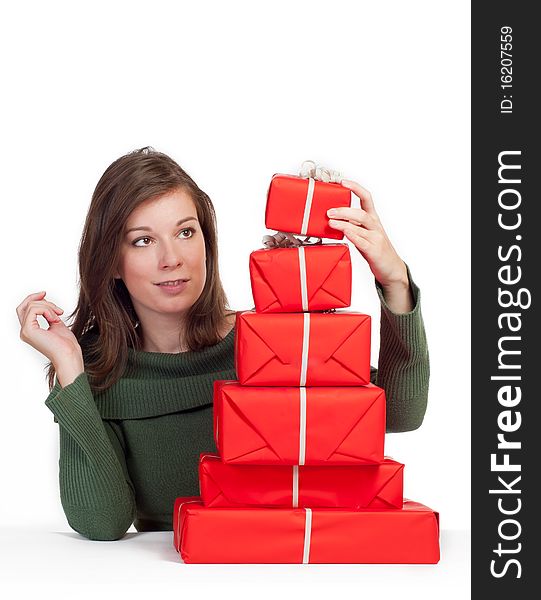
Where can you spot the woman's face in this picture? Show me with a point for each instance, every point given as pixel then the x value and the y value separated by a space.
pixel 163 241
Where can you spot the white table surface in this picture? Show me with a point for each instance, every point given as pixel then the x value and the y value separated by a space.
pixel 63 564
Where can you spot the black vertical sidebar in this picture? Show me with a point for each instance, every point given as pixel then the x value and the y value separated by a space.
pixel 506 266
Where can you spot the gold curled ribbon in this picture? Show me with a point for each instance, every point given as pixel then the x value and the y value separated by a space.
pixel 284 239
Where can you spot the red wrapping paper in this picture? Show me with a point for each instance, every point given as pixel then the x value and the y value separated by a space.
pixel 269 349
pixel 282 277
pixel 363 486
pixel 287 203
pixel 296 426
pixel 176 513
pixel 296 535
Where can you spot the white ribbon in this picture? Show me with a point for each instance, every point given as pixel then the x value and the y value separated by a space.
pixel 295 486
pixel 307 536
pixel 302 426
pixel 305 345
pixel 311 171
pixel 302 389
pixel 308 205
pixel 304 284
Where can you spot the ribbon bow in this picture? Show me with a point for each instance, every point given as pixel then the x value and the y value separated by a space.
pixel 310 169
pixel 282 239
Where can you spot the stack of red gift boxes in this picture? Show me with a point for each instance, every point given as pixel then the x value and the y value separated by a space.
pixel 300 475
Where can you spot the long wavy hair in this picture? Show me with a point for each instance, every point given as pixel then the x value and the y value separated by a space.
pixel 104 305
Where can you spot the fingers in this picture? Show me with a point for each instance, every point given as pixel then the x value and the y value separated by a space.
pixel 23 305
pixel 39 308
pixel 30 319
pixel 368 233
pixel 363 194
pixel 350 229
pixel 36 299
pixel 357 216
pixel 364 239
pixel 359 238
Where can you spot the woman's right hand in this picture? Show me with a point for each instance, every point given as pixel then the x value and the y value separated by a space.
pixel 57 342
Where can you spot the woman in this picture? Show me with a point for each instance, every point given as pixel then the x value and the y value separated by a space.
pixel 151 333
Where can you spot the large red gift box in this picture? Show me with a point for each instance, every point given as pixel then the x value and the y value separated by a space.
pixel 362 486
pixel 298 349
pixel 299 425
pixel 299 205
pixel 305 278
pixel 179 502
pixel 304 535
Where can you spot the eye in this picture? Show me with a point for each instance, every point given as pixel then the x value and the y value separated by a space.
pixel 191 230
pixel 135 242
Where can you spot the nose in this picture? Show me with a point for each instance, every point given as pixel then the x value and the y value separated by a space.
pixel 170 257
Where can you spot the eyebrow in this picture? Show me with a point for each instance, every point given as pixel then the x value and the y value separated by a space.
pixel 143 228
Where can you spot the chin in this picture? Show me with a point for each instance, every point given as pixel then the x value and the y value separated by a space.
pixel 175 307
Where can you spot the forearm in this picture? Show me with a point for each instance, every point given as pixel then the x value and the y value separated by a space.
pixel 398 293
pixel 97 501
pixel 97 498
pixel 403 367
pixel 69 368
pixel 399 297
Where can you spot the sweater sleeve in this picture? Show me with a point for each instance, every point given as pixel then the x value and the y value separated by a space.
pixel 96 492
pixel 403 366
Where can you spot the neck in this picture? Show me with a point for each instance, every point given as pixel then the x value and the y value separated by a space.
pixel 163 334
pixel 155 346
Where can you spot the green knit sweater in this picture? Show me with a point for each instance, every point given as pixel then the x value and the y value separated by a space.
pixel 127 453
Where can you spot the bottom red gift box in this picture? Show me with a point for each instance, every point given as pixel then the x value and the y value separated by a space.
pixel 303 535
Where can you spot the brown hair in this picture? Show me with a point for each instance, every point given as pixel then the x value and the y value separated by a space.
pixel 104 304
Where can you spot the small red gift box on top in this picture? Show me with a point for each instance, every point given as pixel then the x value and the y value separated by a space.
pixel 305 278
pixel 312 349
pixel 303 535
pixel 362 486
pixel 299 205
pixel 299 425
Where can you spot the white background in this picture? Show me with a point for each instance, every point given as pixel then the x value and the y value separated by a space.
pixel 234 92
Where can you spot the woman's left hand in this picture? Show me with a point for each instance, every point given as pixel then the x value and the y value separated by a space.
pixel 363 229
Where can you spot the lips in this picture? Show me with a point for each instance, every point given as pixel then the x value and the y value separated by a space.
pixel 172 282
